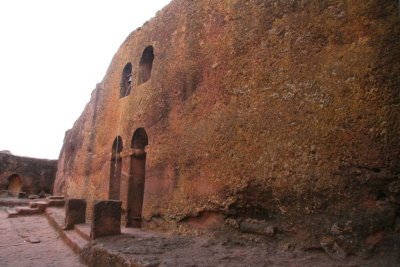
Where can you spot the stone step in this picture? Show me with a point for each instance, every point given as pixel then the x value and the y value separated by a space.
pixel 74 240
pixel 12 213
pixel 27 211
pixel 55 202
pixel 55 197
pixel 83 229
pixel 56 217
pixel 42 205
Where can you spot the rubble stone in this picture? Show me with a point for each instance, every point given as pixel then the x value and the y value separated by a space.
pixel 256 228
pixel 332 248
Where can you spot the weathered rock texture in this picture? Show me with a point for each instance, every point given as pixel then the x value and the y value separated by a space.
pixel 106 219
pixel 75 212
pixel 279 113
pixel 29 175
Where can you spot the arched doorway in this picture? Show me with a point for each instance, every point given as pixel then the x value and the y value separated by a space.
pixel 115 169
pixel 14 185
pixel 145 65
pixel 137 178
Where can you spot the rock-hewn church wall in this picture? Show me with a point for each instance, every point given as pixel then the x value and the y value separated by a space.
pixel 29 175
pixel 279 112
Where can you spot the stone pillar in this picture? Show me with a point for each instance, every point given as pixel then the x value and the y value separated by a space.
pixel 75 212
pixel 124 186
pixel 106 218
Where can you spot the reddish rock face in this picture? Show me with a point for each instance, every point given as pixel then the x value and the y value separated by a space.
pixel 283 112
pixel 29 175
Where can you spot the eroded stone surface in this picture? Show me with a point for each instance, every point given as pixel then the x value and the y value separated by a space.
pixel 75 212
pixel 280 111
pixel 106 219
pixel 146 248
pixel 29 175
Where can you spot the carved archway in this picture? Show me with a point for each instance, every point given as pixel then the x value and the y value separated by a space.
pixel 146 65
pixel 126 81
pixel 137 178
pixel 14 185
pixel 115 169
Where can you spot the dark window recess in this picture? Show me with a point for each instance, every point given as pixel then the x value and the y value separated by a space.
pixel 14 185
pixel 126 81
pixel 145 65
pixel 137 178
pixel 115 169
pixel 139 139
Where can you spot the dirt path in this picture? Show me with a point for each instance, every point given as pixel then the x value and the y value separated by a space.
pixel 31 241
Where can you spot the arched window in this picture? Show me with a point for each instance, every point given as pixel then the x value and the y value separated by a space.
pixel 139 139
pixel 115 169
pixel 14 185
pixel 126 81
pixel 137 178
pixel 145 65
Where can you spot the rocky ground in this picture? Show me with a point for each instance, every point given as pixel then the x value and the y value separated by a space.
pixel 181 251
pixel 146 248
pixel 31 241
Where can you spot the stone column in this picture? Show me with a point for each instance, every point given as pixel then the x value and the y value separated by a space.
pixel 106 218
pixel 75 212
pixel 124 185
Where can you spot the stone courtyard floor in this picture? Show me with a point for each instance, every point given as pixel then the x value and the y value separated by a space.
pixel 31 241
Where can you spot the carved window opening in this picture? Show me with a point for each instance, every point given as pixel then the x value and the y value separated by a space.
pixel 115 169
pixel 145 65
pixel 137 178
pixel 126 81
pixel 14 185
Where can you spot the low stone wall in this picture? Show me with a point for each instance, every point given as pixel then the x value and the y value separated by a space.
pixel 106 219
pixel 29 175
pixel 75 212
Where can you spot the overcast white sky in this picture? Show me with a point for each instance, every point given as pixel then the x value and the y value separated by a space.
pixel 52 54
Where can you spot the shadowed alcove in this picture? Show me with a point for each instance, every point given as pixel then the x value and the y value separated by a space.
pixel 14 185
pixel 126 81
pixel 137 178
pixel 115 169
pixel 145 65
